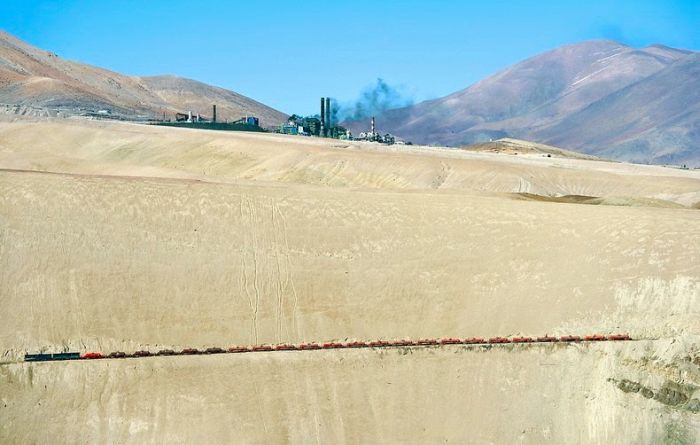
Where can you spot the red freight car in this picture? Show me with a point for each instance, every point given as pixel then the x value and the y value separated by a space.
pixel 595 337
pixel 619 337
pixel 474 341
pixel 450 341
pixel 494 340
pixel 547 339
pixel 523 339
pixel 92 355
pixel 569 338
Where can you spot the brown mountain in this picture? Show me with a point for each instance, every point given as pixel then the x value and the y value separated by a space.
pixel 598 97
pixel 37 81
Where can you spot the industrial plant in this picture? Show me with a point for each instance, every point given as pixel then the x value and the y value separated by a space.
pixel 196 120
pixel 321 125
pixel 324 125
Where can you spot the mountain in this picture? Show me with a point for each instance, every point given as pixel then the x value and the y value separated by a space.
pixel 657 119
pixel 37 81
pixel 598 97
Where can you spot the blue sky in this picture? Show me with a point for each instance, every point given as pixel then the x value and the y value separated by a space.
pixel 287 54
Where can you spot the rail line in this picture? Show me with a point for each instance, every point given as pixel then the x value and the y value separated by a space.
pixel 475 341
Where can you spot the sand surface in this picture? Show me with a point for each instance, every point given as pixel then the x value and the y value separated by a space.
pixel 120 237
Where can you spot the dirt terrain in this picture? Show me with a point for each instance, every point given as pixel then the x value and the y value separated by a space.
pixel 123 237
pixel 518 147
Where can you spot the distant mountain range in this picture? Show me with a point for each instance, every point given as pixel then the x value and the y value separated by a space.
pixel 34 81
pixel 596 97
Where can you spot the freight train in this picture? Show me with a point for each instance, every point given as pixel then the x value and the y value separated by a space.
pixel 329 345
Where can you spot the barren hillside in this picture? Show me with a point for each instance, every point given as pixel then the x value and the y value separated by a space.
pixel 597 97
pixel 121 237
pixel 34 81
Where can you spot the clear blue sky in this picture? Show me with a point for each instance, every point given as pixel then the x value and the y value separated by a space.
pixel 287 54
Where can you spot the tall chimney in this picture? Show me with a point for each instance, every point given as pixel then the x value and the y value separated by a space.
pixel 328 115
pixel 213 112
pixel 323 117
pixel 372 125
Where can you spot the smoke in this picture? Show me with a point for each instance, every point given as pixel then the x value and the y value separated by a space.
pixel 373 101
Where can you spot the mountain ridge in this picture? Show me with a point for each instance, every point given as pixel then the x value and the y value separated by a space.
pixel 530 100
pixel 32 78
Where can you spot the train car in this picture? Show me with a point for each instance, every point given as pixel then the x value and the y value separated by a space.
pixel 214 351
pixel 595 337
pixel 474 341
pixel 450 341
pixel 617 337
pixel 569 338
pixel 523 339
pixel 190 351
pixel 495 340
pixel 547 339
pixel 51 357
pixel 307 346
pixel 92 356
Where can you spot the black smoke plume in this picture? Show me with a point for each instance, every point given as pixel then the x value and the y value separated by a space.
pixel 373 101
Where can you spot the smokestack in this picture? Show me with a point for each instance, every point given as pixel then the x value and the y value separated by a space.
pixel 323 117
pixel 213 112
pixel 328 115
pixel 373 125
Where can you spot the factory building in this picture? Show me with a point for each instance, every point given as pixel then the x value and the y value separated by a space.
pixel 373 136
pixel 191 117
pixel 321 126
pixel 325 126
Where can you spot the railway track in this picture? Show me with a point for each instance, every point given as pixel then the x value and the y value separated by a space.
pixel 475 341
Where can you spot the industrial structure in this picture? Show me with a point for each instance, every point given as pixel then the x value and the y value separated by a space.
pixel 190 120
pixel 373 136
pixel 321 126
pixel 325 126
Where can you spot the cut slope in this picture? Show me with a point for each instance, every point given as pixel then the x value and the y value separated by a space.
pixel 116 263
pixel 448 395
pixel 149 237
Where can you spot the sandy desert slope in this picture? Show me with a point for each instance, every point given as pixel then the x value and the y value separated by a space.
pixel 111 263
pixel 513 395
pixel 107 148
pixel 121 237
